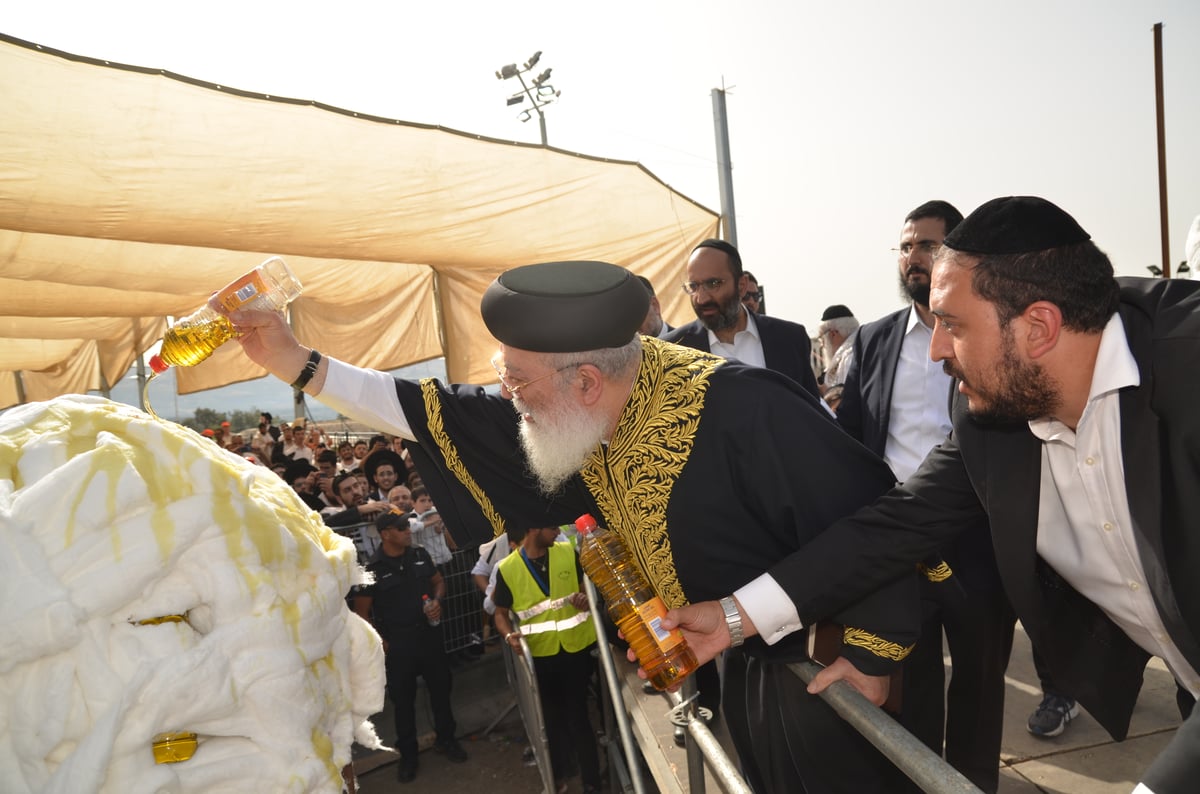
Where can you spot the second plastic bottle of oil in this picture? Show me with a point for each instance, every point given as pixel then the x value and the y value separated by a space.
pixel 632 605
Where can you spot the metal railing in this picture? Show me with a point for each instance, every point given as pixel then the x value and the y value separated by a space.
pixel 924 767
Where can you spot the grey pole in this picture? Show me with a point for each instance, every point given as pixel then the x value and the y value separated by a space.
pixel 140 363
pixel 298 405
pixel 724 167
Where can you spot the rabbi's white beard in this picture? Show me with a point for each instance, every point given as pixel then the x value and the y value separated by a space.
pixel 558 441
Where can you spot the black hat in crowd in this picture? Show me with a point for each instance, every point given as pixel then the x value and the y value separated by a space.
pixel 835 312
pixel 565 307
pixel 1015 225
pixel 646 283
pixel 392 518
pixel 298 468
pixel 379 457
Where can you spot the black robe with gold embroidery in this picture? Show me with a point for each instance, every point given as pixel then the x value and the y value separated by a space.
pixel 716 471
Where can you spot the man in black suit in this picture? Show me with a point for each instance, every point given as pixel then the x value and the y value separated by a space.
pixel 896 401
pixel 654 324
pixel 1076 437
pixel 716 282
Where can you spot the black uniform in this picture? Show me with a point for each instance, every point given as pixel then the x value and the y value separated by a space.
pixel 413 646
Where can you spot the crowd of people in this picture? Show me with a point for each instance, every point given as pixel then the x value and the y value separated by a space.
pixel 942 472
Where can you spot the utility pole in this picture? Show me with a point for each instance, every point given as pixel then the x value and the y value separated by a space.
pixel 724 167
pixel 1162 152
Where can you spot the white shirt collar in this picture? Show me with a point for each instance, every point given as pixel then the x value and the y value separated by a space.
pixel 1115 368
pixel 751 328
pixel 914 319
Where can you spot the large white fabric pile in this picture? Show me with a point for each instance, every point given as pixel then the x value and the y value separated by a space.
pixel 109 518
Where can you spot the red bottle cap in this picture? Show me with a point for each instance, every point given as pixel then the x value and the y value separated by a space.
pixel 158 365
pixel 585 523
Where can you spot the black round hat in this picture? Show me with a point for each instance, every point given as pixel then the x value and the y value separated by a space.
pixel 381 456
pixel 565 307
pixel 1015 225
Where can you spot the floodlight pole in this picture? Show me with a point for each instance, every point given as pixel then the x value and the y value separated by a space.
pixel 536 106
pixel 545 92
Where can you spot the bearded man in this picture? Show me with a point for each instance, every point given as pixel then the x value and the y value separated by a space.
pixel 710 470
pixel 716 283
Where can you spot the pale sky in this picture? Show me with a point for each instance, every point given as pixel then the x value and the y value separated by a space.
pixel 842 117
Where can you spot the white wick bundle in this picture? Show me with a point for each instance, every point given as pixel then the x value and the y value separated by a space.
pixel 110 519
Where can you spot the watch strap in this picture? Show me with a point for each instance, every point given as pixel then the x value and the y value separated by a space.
pixel 306 374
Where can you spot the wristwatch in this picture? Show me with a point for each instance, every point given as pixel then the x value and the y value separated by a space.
pixel 733 620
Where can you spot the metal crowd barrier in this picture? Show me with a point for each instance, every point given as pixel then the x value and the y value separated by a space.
pixel 462 610
pixel 924 767
pixel 521 677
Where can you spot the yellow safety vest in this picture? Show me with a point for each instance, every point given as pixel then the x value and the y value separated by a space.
pixel 549 623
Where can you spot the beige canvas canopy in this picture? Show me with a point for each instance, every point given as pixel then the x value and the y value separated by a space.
pixel 128 195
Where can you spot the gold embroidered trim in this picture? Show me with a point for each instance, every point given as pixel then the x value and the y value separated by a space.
pixel 632 478
pixel 876 645
pixel 454 464
pixel 940 573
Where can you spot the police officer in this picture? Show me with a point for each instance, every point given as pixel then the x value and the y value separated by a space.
pixel 395 605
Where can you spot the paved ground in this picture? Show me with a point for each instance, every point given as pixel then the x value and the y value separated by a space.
pixel 1084 760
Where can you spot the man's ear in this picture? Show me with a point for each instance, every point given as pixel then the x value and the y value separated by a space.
pixel 591 384
pixel 1043 324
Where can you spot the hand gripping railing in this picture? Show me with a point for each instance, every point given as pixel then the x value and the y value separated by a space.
pixel 924 767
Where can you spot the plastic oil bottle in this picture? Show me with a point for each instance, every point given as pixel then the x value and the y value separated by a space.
pixel 632 605
pixel 269 287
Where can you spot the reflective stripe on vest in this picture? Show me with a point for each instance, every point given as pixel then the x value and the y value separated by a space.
pixel 549 623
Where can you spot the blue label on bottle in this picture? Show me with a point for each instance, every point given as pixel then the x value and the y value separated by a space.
pixel 247 293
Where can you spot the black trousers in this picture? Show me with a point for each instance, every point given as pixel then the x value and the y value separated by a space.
pixel 969 715
pixel 412 652
pixel 791 742
pixel 563 689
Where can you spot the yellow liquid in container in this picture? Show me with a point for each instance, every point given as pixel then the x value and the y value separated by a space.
pixel 633 606
pixel 171 748
pixel 193 339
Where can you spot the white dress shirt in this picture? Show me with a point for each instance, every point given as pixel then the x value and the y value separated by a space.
pixel 746 346
pixel 919 416
pixel 1084 527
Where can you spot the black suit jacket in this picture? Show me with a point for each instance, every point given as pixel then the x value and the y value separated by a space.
pixel 786 347
pixel 995 471
pixel 866 407
pixel 866 413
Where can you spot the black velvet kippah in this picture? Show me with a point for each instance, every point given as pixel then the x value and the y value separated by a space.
pixel 565 307
pixel 1015 225
pixel 835 312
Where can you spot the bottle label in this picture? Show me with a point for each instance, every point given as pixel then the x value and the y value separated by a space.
pixel 652 612
pixel 241 292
